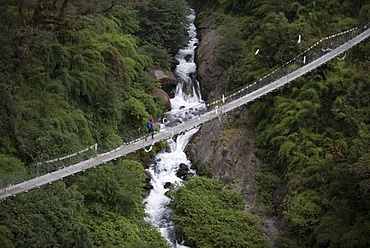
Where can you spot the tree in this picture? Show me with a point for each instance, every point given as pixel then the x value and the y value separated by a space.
pixel 65 13
pixel 65 87
pixel 314 141
pixel 46 217
pixel 164 23
pixel 211 217
pixel 114 188
pixel 113 196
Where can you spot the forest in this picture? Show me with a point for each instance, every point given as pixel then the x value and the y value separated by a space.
pixel 74 73
pixel 313 134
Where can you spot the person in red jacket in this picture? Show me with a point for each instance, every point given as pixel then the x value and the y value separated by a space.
pixel 150 126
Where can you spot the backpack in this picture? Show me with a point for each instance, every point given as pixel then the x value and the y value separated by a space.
pixel 149 125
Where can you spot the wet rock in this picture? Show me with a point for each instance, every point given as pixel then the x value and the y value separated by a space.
pixel 147 181
pixel 146 161
pixel 187 87
pixel 174 63
pixel 173 122
pixel 193 77
pixel 183 171
pixel 188 57
pixel 168 185
pixel 168 149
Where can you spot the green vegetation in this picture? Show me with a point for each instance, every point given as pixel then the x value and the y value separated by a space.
pixel 273 27
pixel 209 216
pixel 314 139
pixel 312 135
pixel 74 73
pixel 164 24
pixel 100 208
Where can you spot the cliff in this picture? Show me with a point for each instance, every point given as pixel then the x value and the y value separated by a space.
pixel 218 149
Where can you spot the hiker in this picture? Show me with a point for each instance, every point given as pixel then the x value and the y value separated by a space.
pixel 150 126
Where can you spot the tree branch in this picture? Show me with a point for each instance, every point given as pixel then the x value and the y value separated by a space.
pixel 22 12
pixel 63 8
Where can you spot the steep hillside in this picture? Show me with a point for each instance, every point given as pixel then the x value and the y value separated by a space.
pixel 311 136
pixel 75 73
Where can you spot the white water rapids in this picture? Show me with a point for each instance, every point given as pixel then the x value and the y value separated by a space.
pixel 167 163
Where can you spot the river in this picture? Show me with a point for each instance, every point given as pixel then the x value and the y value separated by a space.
pixel 163 171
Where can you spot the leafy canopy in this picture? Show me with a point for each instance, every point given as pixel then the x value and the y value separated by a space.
pixel 164 23
pixel 209 216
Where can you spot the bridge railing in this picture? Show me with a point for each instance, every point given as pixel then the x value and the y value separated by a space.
pixel 312 53
pixel 48 166
pixel 308 56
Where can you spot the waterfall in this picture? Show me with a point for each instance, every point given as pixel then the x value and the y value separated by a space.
pixel 163 172
pixel 187 92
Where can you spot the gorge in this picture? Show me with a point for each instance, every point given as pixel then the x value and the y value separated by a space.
pixel 290 170
pixel 228 153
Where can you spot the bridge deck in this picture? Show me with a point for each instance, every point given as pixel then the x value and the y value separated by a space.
pixel 127 149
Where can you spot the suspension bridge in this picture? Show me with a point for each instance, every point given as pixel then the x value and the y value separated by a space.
pixel 315 56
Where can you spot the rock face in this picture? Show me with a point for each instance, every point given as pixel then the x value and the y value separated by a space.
pixel 229 153
pixel 209 73
pixel 211 76
pixel 230 156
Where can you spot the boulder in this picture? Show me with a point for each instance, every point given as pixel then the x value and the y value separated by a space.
pixel 168 185
pixel 188 57
pixel 159 93
pixel 183 171
pixel 165 77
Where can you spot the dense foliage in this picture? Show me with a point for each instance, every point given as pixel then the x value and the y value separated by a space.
pixel 100 208
pixel 273 28
pixel 66 82
pixel 314 140
pixel 313 135
pixel 164 23
pixel 74 73
pixel 209 216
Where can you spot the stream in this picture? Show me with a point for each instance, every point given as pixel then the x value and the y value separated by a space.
pixel 163 171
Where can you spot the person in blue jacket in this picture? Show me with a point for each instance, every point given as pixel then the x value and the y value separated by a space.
pixel 150 126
